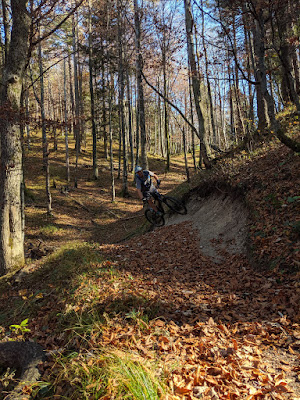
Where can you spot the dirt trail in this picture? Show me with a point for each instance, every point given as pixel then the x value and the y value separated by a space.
pixel 219 317
pixel 221 222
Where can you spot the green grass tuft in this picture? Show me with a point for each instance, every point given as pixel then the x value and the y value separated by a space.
pixel 117 374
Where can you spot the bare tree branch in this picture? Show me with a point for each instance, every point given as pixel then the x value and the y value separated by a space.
pixel 58 25
pixel 230 40
pixel 171 104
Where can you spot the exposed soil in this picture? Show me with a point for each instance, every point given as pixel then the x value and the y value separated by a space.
pixel 221 222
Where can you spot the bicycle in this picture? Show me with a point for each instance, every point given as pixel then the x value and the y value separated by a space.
pixel 157 218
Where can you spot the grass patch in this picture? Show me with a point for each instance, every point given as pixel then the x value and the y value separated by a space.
pixel 69 261
pixel 117 374
pixel 54 282
pixel 50 230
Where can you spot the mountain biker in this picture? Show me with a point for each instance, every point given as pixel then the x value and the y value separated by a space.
pixel 145 187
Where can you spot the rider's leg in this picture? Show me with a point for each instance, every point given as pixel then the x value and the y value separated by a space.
pixel 148 196
pixel 153 195
pixel 152 205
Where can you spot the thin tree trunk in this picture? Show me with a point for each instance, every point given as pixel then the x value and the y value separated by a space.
pixel 6 29
pixel 260 103
pixel 46 166
pixel 211 108
pixel 52 110
pixel 240 120
pixel 166 114
pixel 77 104
pixel 192 121
pixel 137 129
pixel 91 71
pixel 121 98
pixel 104 106
pixel 195 81
pixel 111 158
pixel 184 144
pixel 66 126
pixel 129 120
pixel 71 80
pixel 161 140
pixel 139 69
pixel 27 115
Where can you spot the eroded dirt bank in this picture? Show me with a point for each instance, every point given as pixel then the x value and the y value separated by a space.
pixel 221 222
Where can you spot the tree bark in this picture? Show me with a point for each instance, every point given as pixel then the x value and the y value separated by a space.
pixel 260 102
pixel 211 107
pixel 77 104
pixel 275 124
pixel 66 125
pixel 11 174
pixel 6 29
pixel 129 119
pixel 44 134
pixel 139 69
pixel 111 155
pixel 121 98
pixel 195 81
pixel 91 69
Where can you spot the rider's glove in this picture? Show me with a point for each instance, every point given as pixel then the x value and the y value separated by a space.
pixel 158 182
pixel 144 200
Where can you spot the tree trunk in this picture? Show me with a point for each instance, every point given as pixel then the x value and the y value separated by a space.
pixel 161 139
pixel 46 167
pixel 260 102
pixel 11 175
pixel 285 55
pixel 104 106
pixel 195 81
pixel 139 69
pixel 129 120
pixel 66 125
pixel 166 113
pixel 187 171
pixel 211 108
pixel 6 29
pixel 241 131
pixel 137 128
pixel 72 98
pixel 121 98
pixel 77 104
pixel 192 121
pixel 260 48
pixel 94 133
pixel 111 155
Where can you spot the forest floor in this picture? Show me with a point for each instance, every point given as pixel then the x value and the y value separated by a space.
pixel 208 304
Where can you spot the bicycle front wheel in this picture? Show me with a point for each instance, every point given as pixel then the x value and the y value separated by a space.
pixel 175 205
pixel 153 218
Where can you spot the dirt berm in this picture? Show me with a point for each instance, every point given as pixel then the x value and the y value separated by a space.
pixel 221 221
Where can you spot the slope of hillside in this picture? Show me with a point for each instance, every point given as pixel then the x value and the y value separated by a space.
pixel 191 323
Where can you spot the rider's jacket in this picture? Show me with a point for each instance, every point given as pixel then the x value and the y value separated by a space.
pixel 144 183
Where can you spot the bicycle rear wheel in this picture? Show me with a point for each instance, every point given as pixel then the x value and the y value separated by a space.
pixel 175 205
pixel 153 218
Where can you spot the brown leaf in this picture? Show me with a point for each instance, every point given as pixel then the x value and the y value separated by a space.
pixel 214 371
pixel 211 380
